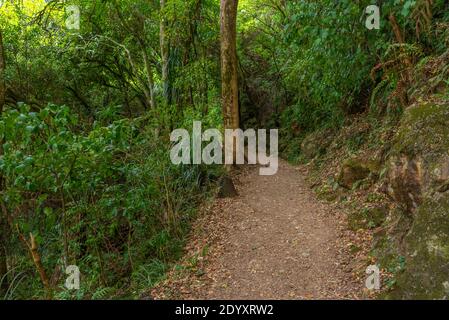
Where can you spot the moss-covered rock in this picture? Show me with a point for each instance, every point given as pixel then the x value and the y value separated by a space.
pixel 388 240
pixel 426 275
pixel 356 169
pixel 418 179
pixel 419 161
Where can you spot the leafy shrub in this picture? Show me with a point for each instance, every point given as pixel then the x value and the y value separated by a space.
pixel 108 200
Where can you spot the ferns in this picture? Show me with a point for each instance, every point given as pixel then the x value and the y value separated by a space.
pixel 422 14
pixel 103 293
pixel 148 275
pixel 374 96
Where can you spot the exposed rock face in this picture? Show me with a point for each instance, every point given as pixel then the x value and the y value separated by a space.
pixel 310 146
pixel 418 179
pixel 354 170
pixel 419 162
pixel 426 275
pixel 406 180
pixel 350 173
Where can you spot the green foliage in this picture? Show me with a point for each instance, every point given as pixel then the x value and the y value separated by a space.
pixel 322 53
pixel 108 200
pixel 85 162
pixel 317 63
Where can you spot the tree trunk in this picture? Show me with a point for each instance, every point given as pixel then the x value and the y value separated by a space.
pixel 229 80
pixel 229 75
pixel 3 228
pixel 165 54
pixel 2 74
pixel 149 75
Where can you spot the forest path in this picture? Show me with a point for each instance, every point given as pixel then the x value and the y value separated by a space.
pixel 276 240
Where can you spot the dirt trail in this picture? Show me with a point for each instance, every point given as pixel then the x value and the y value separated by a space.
pixel 274 241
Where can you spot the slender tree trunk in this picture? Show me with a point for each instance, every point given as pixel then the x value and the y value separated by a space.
pixel 2 74
pixel 229 73
pixel 229 81
pixel 148 87
pixel 3 225
pixel 165 54
pixel 149 75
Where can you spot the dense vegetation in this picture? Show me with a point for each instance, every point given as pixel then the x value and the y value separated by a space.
pixel 85 165
pixel 86 177
pixel 313 64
